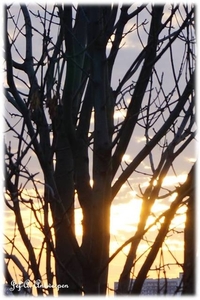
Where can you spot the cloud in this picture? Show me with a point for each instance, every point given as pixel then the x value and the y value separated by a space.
pixel 173 180
pixel 140 139
pixel 120 114
pixel 190 159
pixel 169 180
pixel 174 244
pixel 159 207
pixel 125 216
pixel 126 158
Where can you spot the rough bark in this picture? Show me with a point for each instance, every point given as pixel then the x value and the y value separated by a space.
pixel 189 268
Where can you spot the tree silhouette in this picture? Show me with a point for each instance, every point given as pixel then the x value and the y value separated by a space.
pixel 71 116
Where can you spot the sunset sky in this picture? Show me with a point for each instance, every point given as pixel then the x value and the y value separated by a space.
pixel 126 206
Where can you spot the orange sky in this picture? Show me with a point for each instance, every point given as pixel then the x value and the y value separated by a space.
pixel 124 219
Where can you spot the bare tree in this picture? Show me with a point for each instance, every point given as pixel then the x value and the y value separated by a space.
pixel 62 119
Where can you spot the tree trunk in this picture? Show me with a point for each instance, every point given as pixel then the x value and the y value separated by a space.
pixel 189 253
pixel 67 268
pixel 97 242
pixel 96 225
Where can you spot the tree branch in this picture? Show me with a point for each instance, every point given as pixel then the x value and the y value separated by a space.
pixel 145 151
pixel 130 121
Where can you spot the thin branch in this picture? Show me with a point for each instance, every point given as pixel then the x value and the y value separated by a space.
pixel 161 132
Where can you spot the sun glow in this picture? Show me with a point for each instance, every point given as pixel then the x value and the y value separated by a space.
pixel 125 216
pixel 169 180
pixel 124 219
